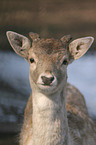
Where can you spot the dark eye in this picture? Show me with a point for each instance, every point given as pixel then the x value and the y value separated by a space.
pixel 32 60
pixel 65 62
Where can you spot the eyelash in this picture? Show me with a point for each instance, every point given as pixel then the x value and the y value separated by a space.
pixel 32 60
pixel 65 62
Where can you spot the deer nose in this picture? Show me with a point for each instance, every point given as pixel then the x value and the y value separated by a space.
pixel 46 80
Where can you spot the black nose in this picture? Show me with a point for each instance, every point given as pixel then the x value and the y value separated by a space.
pixel 47 81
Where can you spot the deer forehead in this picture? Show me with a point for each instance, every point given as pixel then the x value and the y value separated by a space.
pixel 50 49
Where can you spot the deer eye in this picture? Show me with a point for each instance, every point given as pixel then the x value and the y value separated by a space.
pixel 32 60
pixel 65 62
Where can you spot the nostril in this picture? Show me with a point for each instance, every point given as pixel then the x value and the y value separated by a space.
pixel 52 78
pixel 47 81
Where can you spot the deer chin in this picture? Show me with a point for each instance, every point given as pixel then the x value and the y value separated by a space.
pixel 47 87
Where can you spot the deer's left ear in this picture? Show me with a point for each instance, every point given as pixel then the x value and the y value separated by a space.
pixel 79 47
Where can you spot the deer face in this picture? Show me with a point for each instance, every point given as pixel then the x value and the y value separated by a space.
pixel 48 58
pixel 48 61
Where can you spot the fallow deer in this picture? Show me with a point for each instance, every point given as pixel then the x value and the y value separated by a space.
pixel 56 112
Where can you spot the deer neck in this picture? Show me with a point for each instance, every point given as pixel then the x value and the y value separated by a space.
pixel 49 119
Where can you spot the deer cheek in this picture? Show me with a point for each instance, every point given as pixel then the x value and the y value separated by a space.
pixel 34 76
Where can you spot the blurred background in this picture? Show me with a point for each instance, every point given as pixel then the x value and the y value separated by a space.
pixel 49 18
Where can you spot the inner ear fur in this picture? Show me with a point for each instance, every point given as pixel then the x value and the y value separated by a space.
pixel 79 47
pixel 19 43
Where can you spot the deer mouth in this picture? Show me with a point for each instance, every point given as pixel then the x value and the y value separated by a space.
pixel 46 86
pixel 46 81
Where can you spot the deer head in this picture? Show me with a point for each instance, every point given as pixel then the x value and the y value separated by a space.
pixel 48 58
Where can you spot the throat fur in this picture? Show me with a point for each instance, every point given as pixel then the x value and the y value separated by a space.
pixel 50 125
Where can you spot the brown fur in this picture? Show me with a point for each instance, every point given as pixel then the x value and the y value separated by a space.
pixel 56 112
pixel 77 114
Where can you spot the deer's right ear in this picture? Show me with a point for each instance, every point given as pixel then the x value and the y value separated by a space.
pixel 19 43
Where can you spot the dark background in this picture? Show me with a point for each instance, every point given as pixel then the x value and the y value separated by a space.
pixel 49 18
